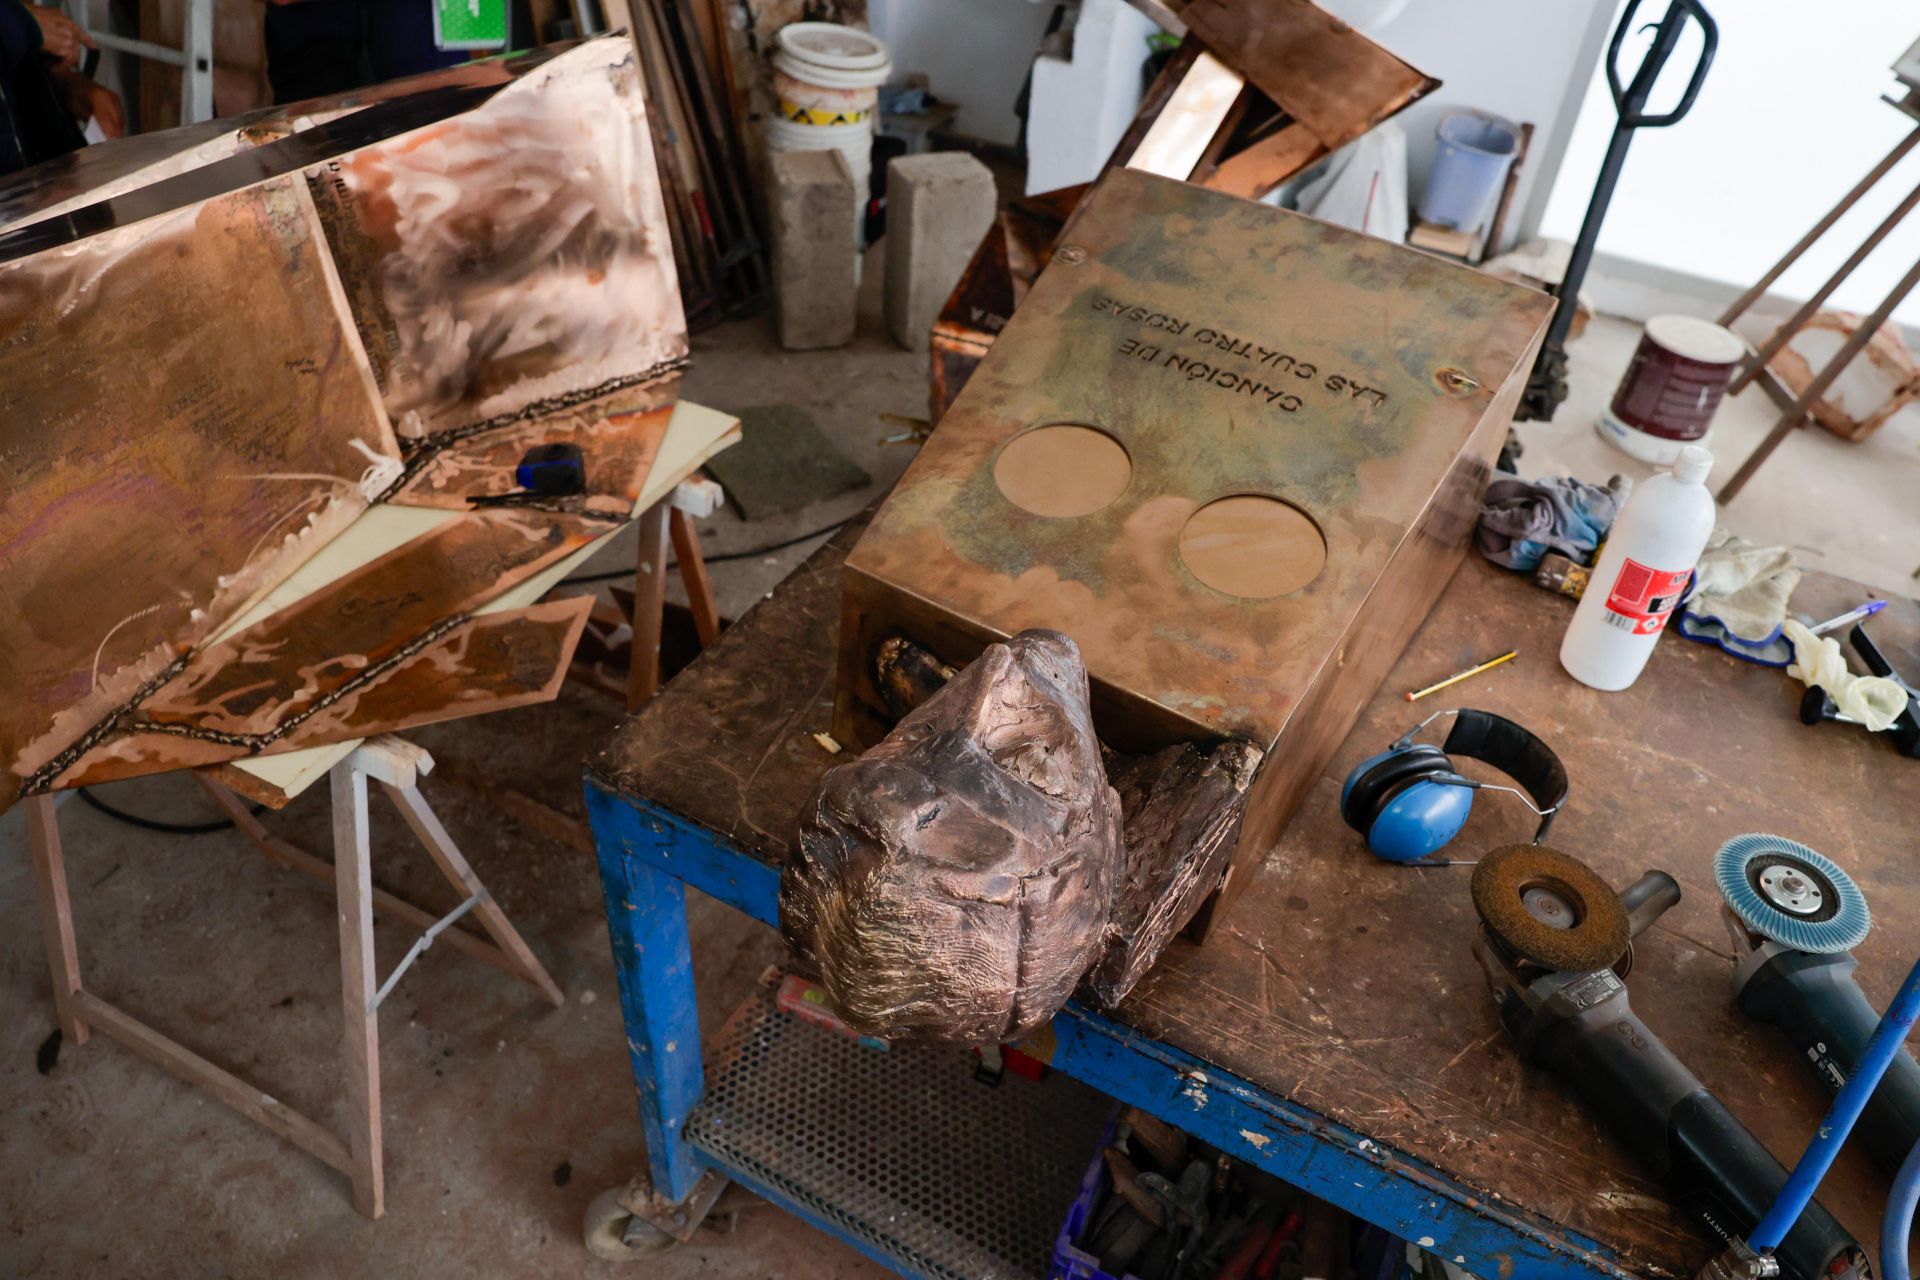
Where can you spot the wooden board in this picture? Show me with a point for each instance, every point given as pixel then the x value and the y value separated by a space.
pixel 1346 984
pixel 1267 163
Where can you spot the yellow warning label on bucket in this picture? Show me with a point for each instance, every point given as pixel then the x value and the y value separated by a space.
pixel 818 115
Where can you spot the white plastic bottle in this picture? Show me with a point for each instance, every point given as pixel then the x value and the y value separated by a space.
pixel 1654 546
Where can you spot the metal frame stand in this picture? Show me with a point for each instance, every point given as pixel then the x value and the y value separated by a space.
pixel 1754 367
pixel 648 857
pixel 397 766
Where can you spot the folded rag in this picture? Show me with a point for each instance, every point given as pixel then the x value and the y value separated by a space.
pixel 1522 520
pixel 1743 587
pixel 1874 701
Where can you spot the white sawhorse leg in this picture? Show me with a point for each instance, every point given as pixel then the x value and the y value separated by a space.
pixel 396 765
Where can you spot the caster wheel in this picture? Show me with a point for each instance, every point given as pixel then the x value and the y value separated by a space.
pixel 612 1234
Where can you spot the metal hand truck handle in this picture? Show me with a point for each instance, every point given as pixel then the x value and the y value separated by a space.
pixel 1630 101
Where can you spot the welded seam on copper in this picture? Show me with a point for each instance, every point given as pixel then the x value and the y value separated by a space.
pixel 122 722
pixel 420 452
pixel 37 781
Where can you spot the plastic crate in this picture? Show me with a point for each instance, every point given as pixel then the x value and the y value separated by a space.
pixel 1070 1261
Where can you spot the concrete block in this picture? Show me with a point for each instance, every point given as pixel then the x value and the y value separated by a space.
pixel 939 206
pixel 813 248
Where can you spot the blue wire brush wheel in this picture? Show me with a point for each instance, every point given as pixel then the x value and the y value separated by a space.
pixel 1786 892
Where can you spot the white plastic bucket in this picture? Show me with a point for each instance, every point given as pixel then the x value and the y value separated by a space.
pixel 827 78
pixel 803 103
pixel 831 56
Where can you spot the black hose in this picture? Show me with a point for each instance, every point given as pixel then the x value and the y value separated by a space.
pixel 155 824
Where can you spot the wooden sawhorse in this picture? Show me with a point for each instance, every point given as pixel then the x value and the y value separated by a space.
pixel 397 766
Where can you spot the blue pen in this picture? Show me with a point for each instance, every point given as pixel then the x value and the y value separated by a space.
pixel 1861 614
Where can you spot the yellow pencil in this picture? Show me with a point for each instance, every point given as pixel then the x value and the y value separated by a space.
pixel 1508 656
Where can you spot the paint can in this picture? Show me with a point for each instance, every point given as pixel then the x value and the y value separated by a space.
pixel 1667 397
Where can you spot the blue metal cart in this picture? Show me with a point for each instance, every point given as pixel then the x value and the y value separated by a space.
pixel 700 790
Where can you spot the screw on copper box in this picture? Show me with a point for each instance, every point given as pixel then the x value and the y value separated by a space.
pixel 1234 452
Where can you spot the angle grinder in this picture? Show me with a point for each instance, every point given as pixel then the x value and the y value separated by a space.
pixel 1795 918
pixel 1556 944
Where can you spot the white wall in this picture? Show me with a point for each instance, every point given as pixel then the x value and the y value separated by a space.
pixel 976 54
pixel 1081 108
pixel 1788 121
pixel 1522 59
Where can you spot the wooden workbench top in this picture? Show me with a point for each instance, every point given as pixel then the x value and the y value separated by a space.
pixel 1346 984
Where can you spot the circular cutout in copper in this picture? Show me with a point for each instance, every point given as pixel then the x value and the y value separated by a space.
pixel 1253 546
pixel 1062 469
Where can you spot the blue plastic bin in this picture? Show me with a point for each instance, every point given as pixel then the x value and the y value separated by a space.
pixel 1469 167
pixel 1070 1261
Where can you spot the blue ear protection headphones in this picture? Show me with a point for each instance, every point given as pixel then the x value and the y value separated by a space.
pixel 1408 801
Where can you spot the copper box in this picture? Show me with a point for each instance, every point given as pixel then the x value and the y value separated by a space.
pixel 1201 389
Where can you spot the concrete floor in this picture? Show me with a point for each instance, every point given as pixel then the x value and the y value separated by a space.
pixel 504 1117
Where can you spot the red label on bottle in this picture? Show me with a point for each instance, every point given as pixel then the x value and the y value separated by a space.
pixel 1642 597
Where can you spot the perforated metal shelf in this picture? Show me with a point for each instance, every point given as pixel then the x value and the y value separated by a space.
pixel 903 1150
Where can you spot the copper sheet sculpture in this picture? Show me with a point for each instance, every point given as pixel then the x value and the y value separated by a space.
pixel 219 347
pixel 956 881
pixel 1303 419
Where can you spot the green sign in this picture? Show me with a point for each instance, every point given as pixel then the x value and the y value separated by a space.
pixel 470 24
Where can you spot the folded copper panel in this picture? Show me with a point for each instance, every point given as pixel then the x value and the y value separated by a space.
pixel 510 258
pixel 467 666
pixel 998 277
pixel 275 671
pixel 1232 451
pixel 1321 71
pixel 201 369
pixel 1330 83
pixel 182 422
pixel 256 688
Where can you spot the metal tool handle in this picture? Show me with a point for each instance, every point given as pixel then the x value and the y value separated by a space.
pixel 1815 1001
pixel 1711 1163
pixel 1630 101
pixel 1647 899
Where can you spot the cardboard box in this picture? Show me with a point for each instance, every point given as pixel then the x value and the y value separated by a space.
pixel 1235 453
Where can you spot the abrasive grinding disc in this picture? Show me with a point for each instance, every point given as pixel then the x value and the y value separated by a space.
pixel 1786 892
pixel 1550 909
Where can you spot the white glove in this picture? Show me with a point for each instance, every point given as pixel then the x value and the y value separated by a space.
pixel 1874 701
